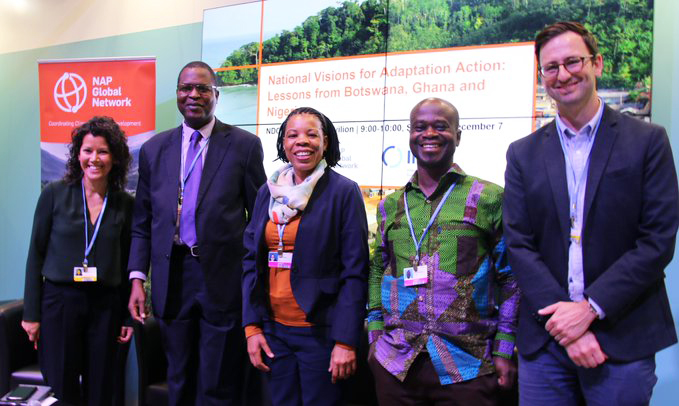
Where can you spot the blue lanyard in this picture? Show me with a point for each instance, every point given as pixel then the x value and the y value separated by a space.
pixel 90 244
pixel 418 244
pixel 574 189
pixel 183 179
pixel 281 231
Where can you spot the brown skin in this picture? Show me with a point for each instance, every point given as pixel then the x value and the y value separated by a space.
pixel 434 135
pixel 304 145
pixel 137 303
pixel 256 344
pixel 505 369
pixel 342 360
pixel 197 108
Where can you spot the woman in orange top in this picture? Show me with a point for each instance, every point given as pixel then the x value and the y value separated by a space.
pixel 305 273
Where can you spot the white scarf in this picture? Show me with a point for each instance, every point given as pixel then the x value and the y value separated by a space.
pixel 287 199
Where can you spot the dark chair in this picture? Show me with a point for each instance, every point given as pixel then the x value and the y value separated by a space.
pixel 361 386
pixel 152 366
pixel 19 361
pixel 151 363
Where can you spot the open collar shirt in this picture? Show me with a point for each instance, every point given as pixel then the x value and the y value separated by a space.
pixel 467 311
pixel 577 148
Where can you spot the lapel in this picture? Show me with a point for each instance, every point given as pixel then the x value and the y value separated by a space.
pixel 598 158
pixel 172 155
pixel 260 238
pixel 216 151
pixel 308 216
pixel 555 166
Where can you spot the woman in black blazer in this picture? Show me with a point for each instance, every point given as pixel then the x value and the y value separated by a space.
pixel 76 279
pixel 305 272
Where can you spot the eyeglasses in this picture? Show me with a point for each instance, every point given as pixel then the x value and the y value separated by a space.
pixel 187 88
pixel 572 64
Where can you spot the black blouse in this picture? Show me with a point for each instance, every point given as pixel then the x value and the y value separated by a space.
pixel 58 242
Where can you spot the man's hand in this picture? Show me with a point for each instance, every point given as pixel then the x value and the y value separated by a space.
pixel 506 372
pixel 32 328
pixel 125 334
pixel 137 302
pixel 256 344
pixel 586 352
pixel 569 320
pixel 342 363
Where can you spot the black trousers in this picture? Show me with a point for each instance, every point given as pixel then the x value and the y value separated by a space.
pixel 422 387
pixel 78 330
pixel 205 346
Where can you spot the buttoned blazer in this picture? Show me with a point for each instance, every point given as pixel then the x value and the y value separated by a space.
pixel 630 223
pixel 330 259
pixel 232 173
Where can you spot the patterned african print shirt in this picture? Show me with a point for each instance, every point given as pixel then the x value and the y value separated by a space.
pixel 466 313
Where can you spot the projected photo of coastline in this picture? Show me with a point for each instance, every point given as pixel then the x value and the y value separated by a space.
pixel 222 49
pixel 298 30
pixel 270 46
pixel 278 42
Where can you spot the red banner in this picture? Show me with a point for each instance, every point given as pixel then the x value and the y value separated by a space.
pixel 73 91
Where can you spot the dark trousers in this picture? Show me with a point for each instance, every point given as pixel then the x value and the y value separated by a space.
pixel 423 387
pixel 205 346
pixel 299 369
pixel 78 330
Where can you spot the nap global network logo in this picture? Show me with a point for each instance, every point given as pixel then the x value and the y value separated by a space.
pixel 70 92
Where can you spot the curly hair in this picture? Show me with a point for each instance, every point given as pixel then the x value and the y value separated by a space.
pixel 332 154
pixel 100 126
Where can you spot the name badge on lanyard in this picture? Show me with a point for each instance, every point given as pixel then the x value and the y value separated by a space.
pixel 85 274
pixel 577 182
pixel 415 276
pixel 278 258
pixel 89 273
pixel 418 275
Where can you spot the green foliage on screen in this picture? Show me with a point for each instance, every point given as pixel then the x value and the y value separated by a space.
pixel 624 29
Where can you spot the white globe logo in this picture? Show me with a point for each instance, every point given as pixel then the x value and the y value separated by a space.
pixel 70 92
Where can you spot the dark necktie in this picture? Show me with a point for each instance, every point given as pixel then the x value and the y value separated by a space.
pixel 187 224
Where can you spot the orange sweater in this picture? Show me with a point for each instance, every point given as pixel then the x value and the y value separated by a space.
pixel 284 306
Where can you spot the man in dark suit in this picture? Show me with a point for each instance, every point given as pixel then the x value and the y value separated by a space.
pixel 197 186
pixel 590 213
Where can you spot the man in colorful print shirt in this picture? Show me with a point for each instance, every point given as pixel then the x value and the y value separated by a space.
pixel 443 299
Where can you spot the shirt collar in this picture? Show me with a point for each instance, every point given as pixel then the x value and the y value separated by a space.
pixel 587 129
pixel 453 174
pixel 205 131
